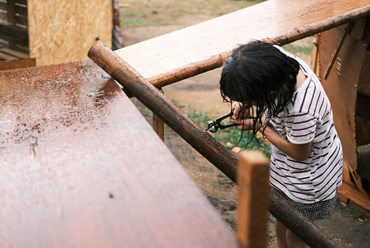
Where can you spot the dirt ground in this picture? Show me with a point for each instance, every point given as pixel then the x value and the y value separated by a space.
pixel 348 226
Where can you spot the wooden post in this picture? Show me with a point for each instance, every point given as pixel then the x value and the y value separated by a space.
pixel 253 199
pixel 158 124
pixel 198 138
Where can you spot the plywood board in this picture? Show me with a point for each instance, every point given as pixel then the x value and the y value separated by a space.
pixel 63 31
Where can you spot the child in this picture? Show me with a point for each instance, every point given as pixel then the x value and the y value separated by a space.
pixel 259 80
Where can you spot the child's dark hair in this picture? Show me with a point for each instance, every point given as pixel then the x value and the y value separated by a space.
pixel 260 75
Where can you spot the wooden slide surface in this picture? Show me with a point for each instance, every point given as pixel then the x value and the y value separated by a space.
pixel 81 167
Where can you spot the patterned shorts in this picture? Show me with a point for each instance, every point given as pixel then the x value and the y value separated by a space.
pixel 315 211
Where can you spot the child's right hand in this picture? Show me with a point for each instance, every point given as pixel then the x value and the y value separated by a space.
pixel 238 114
pixel 241 116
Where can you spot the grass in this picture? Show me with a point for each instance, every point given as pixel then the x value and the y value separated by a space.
pixel 164 12
pixel 229 138
pixel 298 49
pixel 232 137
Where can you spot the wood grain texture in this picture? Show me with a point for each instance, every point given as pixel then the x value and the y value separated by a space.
pixel 203 46
pixel 80 167
pixel 253 198
pixel 62 31
pixel 341 88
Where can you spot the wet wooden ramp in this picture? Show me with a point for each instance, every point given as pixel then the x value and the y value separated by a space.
pixel 80 167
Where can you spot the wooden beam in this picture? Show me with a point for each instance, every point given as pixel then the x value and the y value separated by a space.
pixel 158 125
pixel 253 199
pixel 351 195
pixel 14 64
pixel 14 53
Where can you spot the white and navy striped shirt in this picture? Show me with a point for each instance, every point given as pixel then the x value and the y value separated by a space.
pixel 308 118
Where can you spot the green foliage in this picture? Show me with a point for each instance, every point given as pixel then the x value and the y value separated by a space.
pixel 199 117
pixel 180 106
pixel 224 180
pixel 298 49
pixel 134 23
pixel 230 137
pixel 145 12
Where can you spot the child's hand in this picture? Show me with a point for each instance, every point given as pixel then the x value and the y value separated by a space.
pixel 238 114
pixel 241 116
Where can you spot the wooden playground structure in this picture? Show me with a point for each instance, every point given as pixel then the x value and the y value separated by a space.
pixel 80 167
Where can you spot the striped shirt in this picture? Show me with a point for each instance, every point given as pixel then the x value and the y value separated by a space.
pixel 308 118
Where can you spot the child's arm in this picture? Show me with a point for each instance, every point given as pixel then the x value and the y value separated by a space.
pixel 299 152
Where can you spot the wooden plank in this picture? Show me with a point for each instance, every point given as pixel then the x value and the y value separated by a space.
pixel 55 27
pixel 5 57
pixel 21 10
pixel 81 167
pixel 21 2
pixel 253 198
pixel 341 88
pixel 158 126
pixel 279 21
pixel 21 20
pixel 14 53
pixel 20 63
pixel 353 197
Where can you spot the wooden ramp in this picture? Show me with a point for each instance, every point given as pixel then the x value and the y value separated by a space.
pixel 80 167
